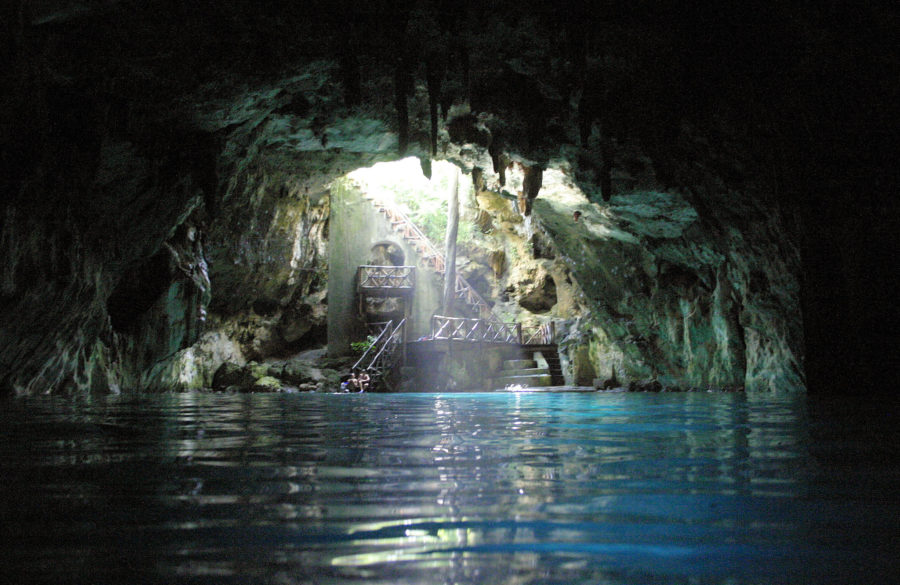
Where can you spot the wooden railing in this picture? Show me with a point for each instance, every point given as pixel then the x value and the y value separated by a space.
pixel 411 232
pixel 369 277
pixel 541 335
pixel 463 291
pixel 385 351
pixel 375 347
pixel 389 353
pixel 492 331
pixel 475 330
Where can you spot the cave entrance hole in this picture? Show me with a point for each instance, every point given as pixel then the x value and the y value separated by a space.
pixel 386 254
pixel 402 185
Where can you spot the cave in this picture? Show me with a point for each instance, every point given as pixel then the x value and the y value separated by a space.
pixel 651 200
pixel 109 176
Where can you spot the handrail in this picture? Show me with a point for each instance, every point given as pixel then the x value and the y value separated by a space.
pixel 388 346
pixel 412 232
pixel 466 329
pixel 541 335
pixel 387 327
pixel 376 327
pixel 370 276
pixel 436 258
pixel 475 330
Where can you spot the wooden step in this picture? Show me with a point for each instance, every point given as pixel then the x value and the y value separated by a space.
pixel 518 364
pixel 535 380
pixel 524 372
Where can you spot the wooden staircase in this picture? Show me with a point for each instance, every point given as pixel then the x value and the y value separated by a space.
pixel 554 366
pixel 384 356
pixel 523 372
pixel 466 296
pixel 538 339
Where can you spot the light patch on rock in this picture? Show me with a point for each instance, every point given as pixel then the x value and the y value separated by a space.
pixel 193 367
pixel 602 231
pixel 361 135
pixel 654 214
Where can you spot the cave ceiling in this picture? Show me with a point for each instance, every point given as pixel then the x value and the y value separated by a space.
pixel 126 125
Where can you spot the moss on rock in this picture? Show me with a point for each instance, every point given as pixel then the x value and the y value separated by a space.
pixel 267 384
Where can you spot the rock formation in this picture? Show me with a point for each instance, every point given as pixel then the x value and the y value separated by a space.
pixel 166 169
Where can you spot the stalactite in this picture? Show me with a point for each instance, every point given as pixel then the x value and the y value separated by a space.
pixel 466 72
pixel 401 82
pixel 531 186
pixel 434 74
pixel 350 76
pixel 585 120
pixel 497 159
pixel 478 179
pixel 425 164
pixel 606 152
pixel 446 101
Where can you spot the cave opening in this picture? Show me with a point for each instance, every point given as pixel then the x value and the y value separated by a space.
pixel 386 254
pixel 137 291
pixel 403 184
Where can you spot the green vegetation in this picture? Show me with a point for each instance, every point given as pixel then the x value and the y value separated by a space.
pixel 427 207
pixel 360 347
pixel 431 217
pixel 423 200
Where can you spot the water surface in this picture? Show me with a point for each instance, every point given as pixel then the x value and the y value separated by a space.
pixel 448 488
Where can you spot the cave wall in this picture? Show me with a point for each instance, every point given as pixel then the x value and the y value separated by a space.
pixel 165 173
pixel 684 300
pixel 102 266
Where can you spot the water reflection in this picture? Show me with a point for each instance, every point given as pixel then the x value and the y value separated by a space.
pixel 492 488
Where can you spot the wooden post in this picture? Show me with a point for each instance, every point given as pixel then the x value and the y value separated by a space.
pixel 407 317
pixel 450 255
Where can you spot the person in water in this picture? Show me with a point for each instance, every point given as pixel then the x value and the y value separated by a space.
pixel 363 381
pixel 353 382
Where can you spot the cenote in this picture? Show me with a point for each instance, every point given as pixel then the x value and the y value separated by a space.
pixel 447 292
pixel 448 488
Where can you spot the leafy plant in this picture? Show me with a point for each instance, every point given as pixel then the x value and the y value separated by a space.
pixel 361 347
pixel 425 202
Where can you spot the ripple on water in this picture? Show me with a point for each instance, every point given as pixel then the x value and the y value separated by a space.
pixel 428 488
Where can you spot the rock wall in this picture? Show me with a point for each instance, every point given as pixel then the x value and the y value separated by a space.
pixel 688 290
pixel 686 300
pixel 166 176
pixel 103 266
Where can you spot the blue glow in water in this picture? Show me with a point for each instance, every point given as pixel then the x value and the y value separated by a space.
pixel 452 488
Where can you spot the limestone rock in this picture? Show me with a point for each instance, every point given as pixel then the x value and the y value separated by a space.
pixel 165 213
pixel 195 367
pixel 645 386
pixel 266 384
pixel 672 302
pixel 231 374
pixel 538 293
pixel 301 373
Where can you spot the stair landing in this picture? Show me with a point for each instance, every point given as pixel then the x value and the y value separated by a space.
pixel 519 372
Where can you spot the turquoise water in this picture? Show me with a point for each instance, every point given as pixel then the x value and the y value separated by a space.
pixel 453 488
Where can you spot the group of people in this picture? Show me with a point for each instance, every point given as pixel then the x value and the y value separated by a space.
pixel 358 382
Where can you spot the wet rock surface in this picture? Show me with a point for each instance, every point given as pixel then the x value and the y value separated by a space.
pixel 308 371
